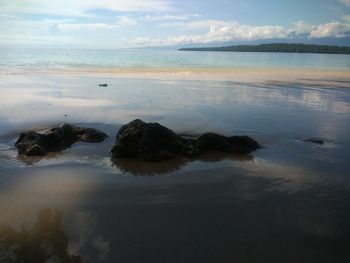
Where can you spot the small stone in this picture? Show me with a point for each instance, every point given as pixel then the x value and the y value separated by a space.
pixel 315 140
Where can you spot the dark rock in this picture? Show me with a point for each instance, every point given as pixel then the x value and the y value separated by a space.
pixel 150 142
pixel 103 85
pixel 89 134
pixel 34 150
pixel 234 144
pixel 56 139
pixel 315 140
pixel 154 142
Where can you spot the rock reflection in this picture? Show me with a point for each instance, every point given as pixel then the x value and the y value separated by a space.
pixel 138 167
pixel 45 242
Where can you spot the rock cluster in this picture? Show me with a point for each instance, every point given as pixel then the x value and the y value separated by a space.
pixel 154 142
pixel 149 142
pixel 56 139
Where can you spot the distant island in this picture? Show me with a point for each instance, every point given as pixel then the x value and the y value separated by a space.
pixel 277 47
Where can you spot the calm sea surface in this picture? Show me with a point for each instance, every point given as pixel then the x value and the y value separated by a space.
pixel 65 59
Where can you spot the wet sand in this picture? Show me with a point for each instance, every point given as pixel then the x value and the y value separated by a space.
pixel 287 202
pixel 238 74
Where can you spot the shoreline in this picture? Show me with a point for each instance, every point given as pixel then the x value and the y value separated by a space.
pixel 180 70
pixel 224 74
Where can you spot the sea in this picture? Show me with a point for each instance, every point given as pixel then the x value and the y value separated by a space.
pixel 44 59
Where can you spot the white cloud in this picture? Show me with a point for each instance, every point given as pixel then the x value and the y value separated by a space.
pixel 122 22
pixel 37 40
pixel 5 16
pixel 332 29
pixel 78 7
pixel 219 31
pixel 16 26
pixel 197 24
pixel 148 41
pixel 125 21
pixel 86 26
pixel 152 18
pixel 224 31
pixel 301 27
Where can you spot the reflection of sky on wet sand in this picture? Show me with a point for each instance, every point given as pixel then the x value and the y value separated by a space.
pixel 107 218
pixel 291 187
pixel 48 99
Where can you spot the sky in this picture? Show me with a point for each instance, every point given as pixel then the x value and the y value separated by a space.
pixel 139 23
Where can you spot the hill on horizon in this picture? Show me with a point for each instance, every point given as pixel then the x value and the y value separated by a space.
pixel 277 47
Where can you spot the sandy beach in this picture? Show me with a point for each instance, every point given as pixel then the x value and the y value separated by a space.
pixel 221 208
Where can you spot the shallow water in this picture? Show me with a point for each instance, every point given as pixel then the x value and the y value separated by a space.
pixel 288 202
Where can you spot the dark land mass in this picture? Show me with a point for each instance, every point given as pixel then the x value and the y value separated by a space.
pixel 277 47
